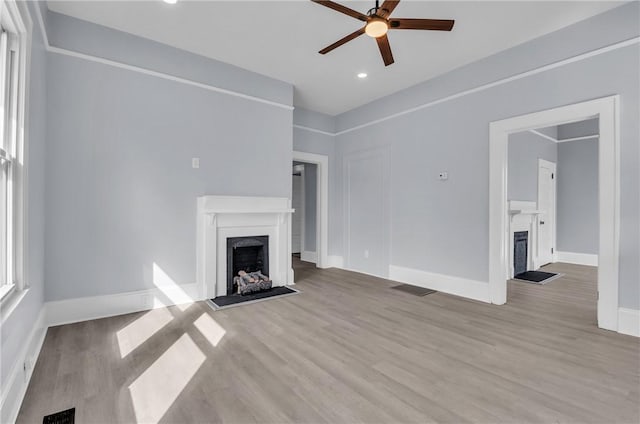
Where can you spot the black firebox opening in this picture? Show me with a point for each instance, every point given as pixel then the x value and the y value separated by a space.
pixel 520 254
pixel 249 254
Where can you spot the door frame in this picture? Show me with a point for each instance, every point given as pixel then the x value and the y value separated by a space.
pixel 554 213
pixel 607 109
pixel 303 208
pixel 322 203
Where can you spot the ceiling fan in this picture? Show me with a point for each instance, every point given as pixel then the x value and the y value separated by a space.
pixel 378 21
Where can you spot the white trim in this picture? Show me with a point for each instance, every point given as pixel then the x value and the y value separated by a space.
pixel 583 56
pixel 548 137
pixel 322 203
pixel 88 308
pixel 91 58
pixel 577 258
pixel 335 261
pixel 556 140
pixel 457 286
pixel 608 110
pixel 584 137
pixel 308 256
pixel 629 321
pixel 302 127
pixel 17 381
pixel 163 75
pixel 303 209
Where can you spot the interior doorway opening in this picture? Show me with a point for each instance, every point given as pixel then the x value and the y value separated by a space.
pixel 312 191
pixel 606 111
pixel 552 192
pixel 304 198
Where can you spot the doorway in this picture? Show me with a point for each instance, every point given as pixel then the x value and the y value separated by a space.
pixel 298 195
pixel 304 198
pixel 607 111
pixel 318 202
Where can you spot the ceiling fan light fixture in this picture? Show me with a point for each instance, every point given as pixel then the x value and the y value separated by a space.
pixel 376 27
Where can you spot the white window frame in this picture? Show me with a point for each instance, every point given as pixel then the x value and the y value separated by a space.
pixel 15 20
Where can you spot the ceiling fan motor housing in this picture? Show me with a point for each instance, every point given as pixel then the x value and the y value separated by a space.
pixel 377 23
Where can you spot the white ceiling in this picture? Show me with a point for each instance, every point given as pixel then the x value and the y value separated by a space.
pixel 281 38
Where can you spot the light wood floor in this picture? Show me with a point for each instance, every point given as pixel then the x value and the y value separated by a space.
pixel 348 349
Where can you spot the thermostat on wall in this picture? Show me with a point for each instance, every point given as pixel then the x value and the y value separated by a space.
pixel 443 176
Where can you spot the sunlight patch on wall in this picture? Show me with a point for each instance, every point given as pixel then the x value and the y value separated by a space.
pixel 210 329
pixel 172 292
pixel 157 388
pixel 141 330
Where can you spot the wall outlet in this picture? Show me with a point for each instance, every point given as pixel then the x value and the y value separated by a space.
pixel 195 163
pixel 443 176
pixel 366 254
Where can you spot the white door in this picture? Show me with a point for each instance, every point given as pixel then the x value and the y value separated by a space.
pixel 297 199
pixel 547 209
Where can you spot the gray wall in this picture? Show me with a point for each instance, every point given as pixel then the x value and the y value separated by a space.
pixel 121 191
pixel 578 218
pixel 310 206
pixel 85 37
pixel 443 227
pixel 578 129
pixel 525 148
pixel 18 324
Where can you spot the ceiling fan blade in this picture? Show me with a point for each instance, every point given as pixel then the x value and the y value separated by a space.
pixel 385 50
pixel 342 9
pixel 342 41
pixel 387 8
pixel 430 24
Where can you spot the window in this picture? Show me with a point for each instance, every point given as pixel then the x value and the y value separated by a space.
pixel 12 89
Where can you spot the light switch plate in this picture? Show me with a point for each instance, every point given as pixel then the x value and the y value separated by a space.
pixel 195 163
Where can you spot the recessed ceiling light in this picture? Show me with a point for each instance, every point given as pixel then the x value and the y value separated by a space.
pixel 362 75
pixel 170 1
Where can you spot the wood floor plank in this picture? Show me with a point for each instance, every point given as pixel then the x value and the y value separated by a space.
pixel 348 349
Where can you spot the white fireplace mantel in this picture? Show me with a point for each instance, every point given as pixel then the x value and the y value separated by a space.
pixel 523 216
pixel 223 217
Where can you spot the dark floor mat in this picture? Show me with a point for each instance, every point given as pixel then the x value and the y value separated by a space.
pixel 235 299
pixel 414 290
pixel 538 277
pixel 62 417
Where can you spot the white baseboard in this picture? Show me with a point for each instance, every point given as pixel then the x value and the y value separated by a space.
pixel 359 271
pixel 471 289
pixel 88 308
pixel 577 258
pixel 20 374
pixel 309 256
pixel 629 321
pixel 334 261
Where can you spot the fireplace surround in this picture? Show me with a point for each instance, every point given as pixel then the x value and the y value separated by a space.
pixel 228 217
